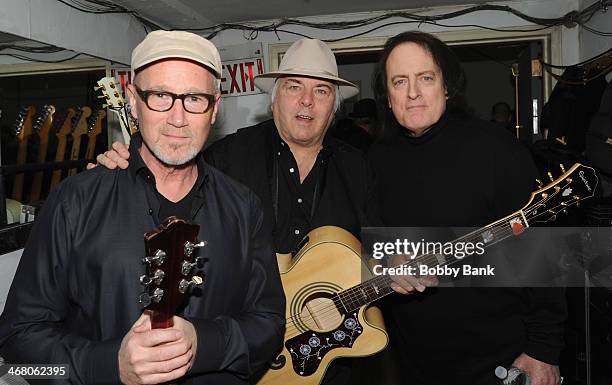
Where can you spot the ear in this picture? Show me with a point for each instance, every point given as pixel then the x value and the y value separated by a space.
pixel 132 97
pixel 213 118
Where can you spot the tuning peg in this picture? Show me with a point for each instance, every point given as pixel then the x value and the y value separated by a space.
pixel 189 247
pixel 186 267
pixel 539 182
pixel 105 105
pixel 116 94
pixel 184 285
pixel 99 87
pixel 562 167
pixel 103 96
pixel 550 176
pixel 157 294
pixel 144 299
pixel 158 258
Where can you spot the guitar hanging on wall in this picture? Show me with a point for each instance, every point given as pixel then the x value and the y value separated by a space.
pixel 23 130
pixel 94 128
pixel 327 313
pixel 78 130
pixel 43 124
pixel 62 137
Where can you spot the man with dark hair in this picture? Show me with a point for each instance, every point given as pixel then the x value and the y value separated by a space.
pixel 451 170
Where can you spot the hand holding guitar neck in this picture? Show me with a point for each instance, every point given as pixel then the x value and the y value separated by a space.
pixel 169 276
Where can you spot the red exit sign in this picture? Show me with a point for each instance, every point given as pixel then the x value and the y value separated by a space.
pixel 238 77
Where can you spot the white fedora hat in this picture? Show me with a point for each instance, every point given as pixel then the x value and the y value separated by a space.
pixel 308 57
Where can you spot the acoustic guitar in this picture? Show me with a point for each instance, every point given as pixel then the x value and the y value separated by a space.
pixel 79 129
pixel 23 130
pixel 62 137
pixel 44 122
pixel 327 313
pixel 94 128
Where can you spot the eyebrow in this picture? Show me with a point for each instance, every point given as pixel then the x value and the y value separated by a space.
pixel 418 74
pixel 294 80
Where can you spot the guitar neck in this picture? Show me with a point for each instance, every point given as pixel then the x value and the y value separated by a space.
pixel 380 286
pixel 161 320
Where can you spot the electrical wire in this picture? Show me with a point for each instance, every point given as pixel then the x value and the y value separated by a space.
pixel 25 58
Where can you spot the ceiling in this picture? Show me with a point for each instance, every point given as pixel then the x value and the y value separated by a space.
pixel 206 13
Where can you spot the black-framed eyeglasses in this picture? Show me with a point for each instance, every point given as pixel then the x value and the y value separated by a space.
pixel 161 101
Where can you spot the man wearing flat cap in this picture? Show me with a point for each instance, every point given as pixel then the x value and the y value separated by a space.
pixel 75 297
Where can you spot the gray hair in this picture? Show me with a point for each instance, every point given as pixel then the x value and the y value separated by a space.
pixel 337 100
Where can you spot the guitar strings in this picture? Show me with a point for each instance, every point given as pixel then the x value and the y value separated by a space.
pixel 325 309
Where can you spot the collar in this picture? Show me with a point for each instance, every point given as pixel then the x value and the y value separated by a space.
pixel 431 133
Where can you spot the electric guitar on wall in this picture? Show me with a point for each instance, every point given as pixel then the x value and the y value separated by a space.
pixel 116 103
pixel 62 137
pixel 327 313
pixel 94 128
pixel 79 129
pixel 23 130
pixel 42 126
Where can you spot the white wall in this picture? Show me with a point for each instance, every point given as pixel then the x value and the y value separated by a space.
pixel 249 109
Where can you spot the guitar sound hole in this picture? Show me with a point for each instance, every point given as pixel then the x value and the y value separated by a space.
pixel 320 313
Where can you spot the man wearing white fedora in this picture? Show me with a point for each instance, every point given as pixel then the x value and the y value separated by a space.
pixel 304 178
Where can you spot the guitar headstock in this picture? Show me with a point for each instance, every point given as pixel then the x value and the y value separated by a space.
pixel 115 102
pixel 169 266
pixel 111 93
pixel 575 185
pixel 23 124
pixel 79 122
pixel 94 126
pixel 63 126
pixel 44 120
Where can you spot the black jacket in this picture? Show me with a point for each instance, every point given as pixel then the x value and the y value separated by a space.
pixel 75 293
pixel 348 187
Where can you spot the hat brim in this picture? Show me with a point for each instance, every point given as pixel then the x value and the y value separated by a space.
pixel 265 82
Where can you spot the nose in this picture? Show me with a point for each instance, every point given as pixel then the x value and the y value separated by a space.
pixel 307 97
pixel 413 90
pixel 177 116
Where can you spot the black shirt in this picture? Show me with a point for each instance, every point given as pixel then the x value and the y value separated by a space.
pixel 75 292
pixel 296 201
pixel 338 191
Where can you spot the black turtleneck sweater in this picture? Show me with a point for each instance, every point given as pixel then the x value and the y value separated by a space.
pixel 462 173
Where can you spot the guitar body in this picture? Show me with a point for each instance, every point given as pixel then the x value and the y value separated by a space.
pixel 318 330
